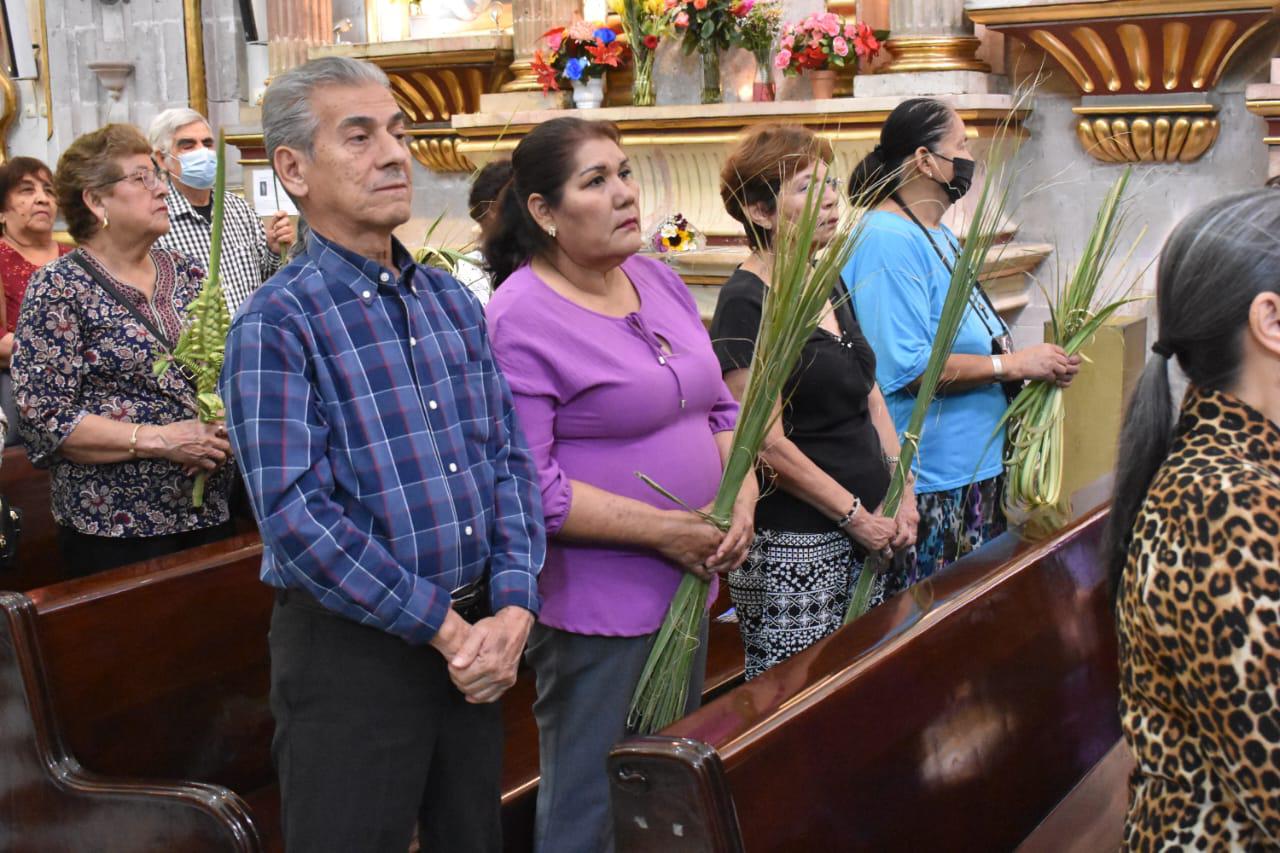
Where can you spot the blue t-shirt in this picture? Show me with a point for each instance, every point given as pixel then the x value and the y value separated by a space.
pixel 898 285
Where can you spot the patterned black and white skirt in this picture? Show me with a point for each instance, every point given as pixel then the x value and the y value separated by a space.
pixel 792 591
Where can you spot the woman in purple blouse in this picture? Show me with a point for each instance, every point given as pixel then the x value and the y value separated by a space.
pixel 612 374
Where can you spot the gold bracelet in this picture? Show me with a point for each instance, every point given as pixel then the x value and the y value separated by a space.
pixel 133 442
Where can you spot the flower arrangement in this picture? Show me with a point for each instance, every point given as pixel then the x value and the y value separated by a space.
pixel 709 27
pixel 758 30
pixel 581 51
pixel 644 24
pixel 674 234
pixel 826 41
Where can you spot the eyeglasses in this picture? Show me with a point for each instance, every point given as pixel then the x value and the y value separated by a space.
pixel 149 178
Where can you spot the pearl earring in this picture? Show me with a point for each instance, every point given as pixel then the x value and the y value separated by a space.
pixel 551 231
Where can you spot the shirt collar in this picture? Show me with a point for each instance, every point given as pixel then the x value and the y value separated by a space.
pixel 1229 423
pixel 179 206
pixel 337 262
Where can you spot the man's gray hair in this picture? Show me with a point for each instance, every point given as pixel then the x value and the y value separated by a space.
pixel 287 118
pixel 165 125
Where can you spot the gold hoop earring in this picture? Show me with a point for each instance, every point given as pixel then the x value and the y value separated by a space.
pixel 551 231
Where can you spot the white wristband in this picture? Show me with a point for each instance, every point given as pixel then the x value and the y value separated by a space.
pixel 997 367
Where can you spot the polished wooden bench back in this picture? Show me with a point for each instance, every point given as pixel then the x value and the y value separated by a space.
pixel 954 717
pixel 84 668
pixel 39 560
pixel 160 670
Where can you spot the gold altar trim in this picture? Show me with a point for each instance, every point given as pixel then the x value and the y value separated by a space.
pixel 934 53
pixel 46 73
pixel 1100 11
pixel 8 112
pixel 1271 140
pixel 193 29
pixel 1145 108
pixel 1264 108
pixel 1167 138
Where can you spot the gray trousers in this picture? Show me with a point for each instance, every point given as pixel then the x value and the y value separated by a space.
pixel 584 691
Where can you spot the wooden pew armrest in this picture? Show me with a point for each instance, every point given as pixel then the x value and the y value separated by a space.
pixel 45 794
pixel 698 815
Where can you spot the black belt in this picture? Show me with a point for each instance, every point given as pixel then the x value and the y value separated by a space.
pixel 470 601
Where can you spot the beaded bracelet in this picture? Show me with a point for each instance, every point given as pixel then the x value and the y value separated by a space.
pixel 844 523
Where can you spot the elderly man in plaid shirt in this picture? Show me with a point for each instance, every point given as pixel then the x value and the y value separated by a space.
pixel 399 508
pixel 184 148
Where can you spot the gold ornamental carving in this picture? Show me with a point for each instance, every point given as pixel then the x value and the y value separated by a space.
pixel 934 53
pixel 1157 138
pixel 1144 55
pixel 1146 68
pixel 193 28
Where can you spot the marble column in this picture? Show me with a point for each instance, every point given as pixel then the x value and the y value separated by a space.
pixel 293 27
pixel 931 35
pixel 530 19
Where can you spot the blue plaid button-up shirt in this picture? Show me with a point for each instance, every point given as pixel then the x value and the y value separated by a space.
pixel 379 442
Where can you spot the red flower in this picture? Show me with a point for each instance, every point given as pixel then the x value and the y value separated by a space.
pixel 605 54
pixel 699 4
pixel 865 44
pixel 545 73
pixel 651 42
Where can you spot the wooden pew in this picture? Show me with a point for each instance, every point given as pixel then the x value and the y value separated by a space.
pixel 160 671
pixel 956 716
pixel 39 559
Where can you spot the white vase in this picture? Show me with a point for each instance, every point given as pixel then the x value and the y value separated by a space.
pixel 588 94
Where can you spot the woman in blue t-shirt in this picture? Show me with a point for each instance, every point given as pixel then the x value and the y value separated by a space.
pixel 898 276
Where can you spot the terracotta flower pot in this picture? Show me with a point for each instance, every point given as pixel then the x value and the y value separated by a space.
pixel 823 82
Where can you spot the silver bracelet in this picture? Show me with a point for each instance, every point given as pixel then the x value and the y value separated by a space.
pixel 890 460
pixel 844 523
pixel 997 367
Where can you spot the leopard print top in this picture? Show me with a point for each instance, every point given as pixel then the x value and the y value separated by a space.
pixel 1199 626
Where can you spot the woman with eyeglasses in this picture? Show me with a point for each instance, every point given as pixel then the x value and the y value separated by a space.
pixel 898 276
pixel 825 465
pixel 122 443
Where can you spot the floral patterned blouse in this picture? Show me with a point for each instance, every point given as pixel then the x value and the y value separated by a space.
pixel 78 351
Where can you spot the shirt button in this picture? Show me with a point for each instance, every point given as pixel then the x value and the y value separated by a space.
pixel 453 467
pixel 662 360
pixel 432 405
pixel 366 294
pixel 413 342
pixel 467 530
pixel 384 277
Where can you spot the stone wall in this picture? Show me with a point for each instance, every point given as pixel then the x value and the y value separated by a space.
pixel 1060 186
pixel 148 33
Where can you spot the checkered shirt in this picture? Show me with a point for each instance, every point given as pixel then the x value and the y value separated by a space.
pixel 379 442
pixel 246 260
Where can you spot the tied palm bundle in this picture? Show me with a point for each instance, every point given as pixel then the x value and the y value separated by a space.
pixel 1034 460
pixel 200 350
pixel 434 253
pixel 993 202
pixel 793 306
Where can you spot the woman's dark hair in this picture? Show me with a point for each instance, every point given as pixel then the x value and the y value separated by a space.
pixel 12 173
pixel 1212 267
pixel 913 123
pixel 542 163
pixel 760 165
pixel 487 186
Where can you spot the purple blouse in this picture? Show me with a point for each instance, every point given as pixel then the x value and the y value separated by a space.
pixel 600 398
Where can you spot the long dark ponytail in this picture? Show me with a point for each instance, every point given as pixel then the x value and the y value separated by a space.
pixel 1212 267
pixel 542 163
pixel 913 123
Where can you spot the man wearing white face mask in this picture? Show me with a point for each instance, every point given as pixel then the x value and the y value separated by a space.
pixel 184 147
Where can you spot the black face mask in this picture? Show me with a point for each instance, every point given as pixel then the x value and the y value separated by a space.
pixel 960 181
